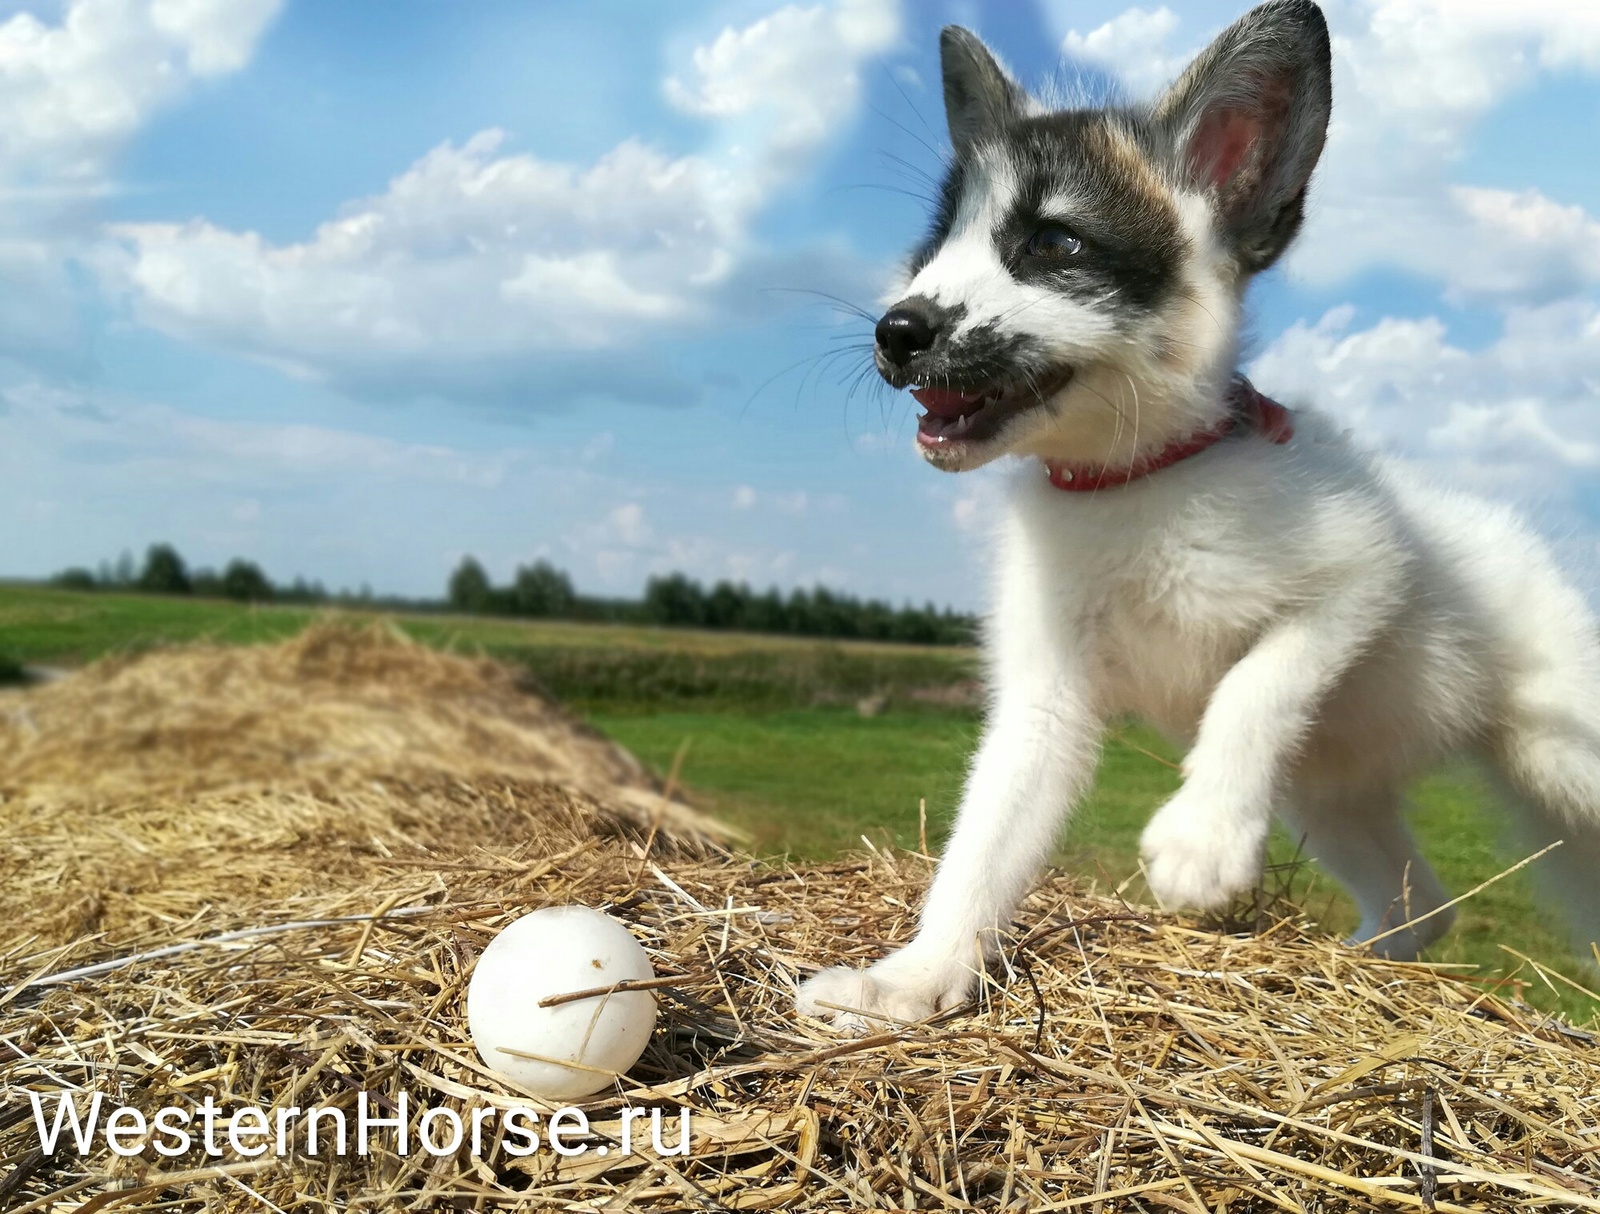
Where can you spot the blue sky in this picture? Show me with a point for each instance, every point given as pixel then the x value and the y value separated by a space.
pixel 356 288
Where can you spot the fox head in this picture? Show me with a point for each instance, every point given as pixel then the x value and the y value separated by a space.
pixel 1078 294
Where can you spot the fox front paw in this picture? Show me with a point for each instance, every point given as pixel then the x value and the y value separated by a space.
pixel 905 987
pixel 1201 860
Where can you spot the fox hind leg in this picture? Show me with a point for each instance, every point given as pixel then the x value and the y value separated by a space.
pixel 1360 836
pixel 1551 761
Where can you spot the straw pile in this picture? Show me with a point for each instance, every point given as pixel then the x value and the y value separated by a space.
pixel 324 835
pixel 182 785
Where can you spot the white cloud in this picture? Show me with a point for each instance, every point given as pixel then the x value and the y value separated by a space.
pixel 470 254
pixel 908 76
pixel 1411 78
pixel 1518 420
pixel 1521 416
pixel 1437 64
pixel 478 267
pixel 976 506
pixel 791 503
pixel 1135 43
pixel 159 443
pixel 797 70
pixel 794 504
pixel 91 474
pixel 71 94
pixel 1542 248
pixel 598 448
pixel 964 512
pixel 627 524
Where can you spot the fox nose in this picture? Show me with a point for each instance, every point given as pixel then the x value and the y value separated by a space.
pixel 904 332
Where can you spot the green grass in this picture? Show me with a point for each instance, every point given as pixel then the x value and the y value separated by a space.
pixel 67 627
pixel 588 665
pixel 774 744
pixel 810 783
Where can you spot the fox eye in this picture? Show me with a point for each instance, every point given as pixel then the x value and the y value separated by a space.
pixel 1053 241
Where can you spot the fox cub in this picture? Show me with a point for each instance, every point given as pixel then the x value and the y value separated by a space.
pixel 1315 625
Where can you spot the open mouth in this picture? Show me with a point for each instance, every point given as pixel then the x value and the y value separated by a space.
pixel 957 416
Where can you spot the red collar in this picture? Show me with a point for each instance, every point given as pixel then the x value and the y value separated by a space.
pixel 1249 411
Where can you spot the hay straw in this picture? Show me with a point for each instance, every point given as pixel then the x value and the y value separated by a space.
pixel 1124 1060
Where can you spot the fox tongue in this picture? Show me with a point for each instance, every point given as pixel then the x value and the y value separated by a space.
pixel 946 402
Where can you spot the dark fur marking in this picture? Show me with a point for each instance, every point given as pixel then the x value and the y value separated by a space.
pixel 985 355
pixel 1133 244
pixel 1133 241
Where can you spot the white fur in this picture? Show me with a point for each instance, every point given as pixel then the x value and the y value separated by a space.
pixel 1315 625
pixel 1319 627
pixel 967 270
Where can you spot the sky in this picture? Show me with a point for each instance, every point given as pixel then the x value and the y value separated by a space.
pixel 356 289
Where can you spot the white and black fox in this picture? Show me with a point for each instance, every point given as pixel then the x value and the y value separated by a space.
pixel 1316 625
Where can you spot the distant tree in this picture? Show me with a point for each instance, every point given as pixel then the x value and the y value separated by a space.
pixel 76 578
pixel 541 589
pixel 728 606
pixel 164 571
pixel 875 620
pixel 302 591
pixel 469 586
pixel 957 629
pixel 244 581
pixel 915 627
pixel 766 612
pixel 832 615
pixel 797 612
pixel 674 599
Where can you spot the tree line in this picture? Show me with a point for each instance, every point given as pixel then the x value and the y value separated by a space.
pixel 164 571
pixel 541 591
pixel 675 600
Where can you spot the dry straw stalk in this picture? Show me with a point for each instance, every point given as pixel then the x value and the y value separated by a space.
pixel 263 875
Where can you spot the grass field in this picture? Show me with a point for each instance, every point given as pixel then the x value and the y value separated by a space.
pixel 766 734
pixel 588 665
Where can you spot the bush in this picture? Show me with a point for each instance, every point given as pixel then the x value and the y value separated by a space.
pixel 469 586
pixel 629 679
pixel 674 599
pixel 164 572
pixel 76 578
pixel 244 582
pixel 541 590
pixel 302 591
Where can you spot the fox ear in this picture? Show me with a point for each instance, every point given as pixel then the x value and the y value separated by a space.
pixel 979 97
pixel 1248 119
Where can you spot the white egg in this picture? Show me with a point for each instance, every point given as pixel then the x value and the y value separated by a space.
pixel 557 951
